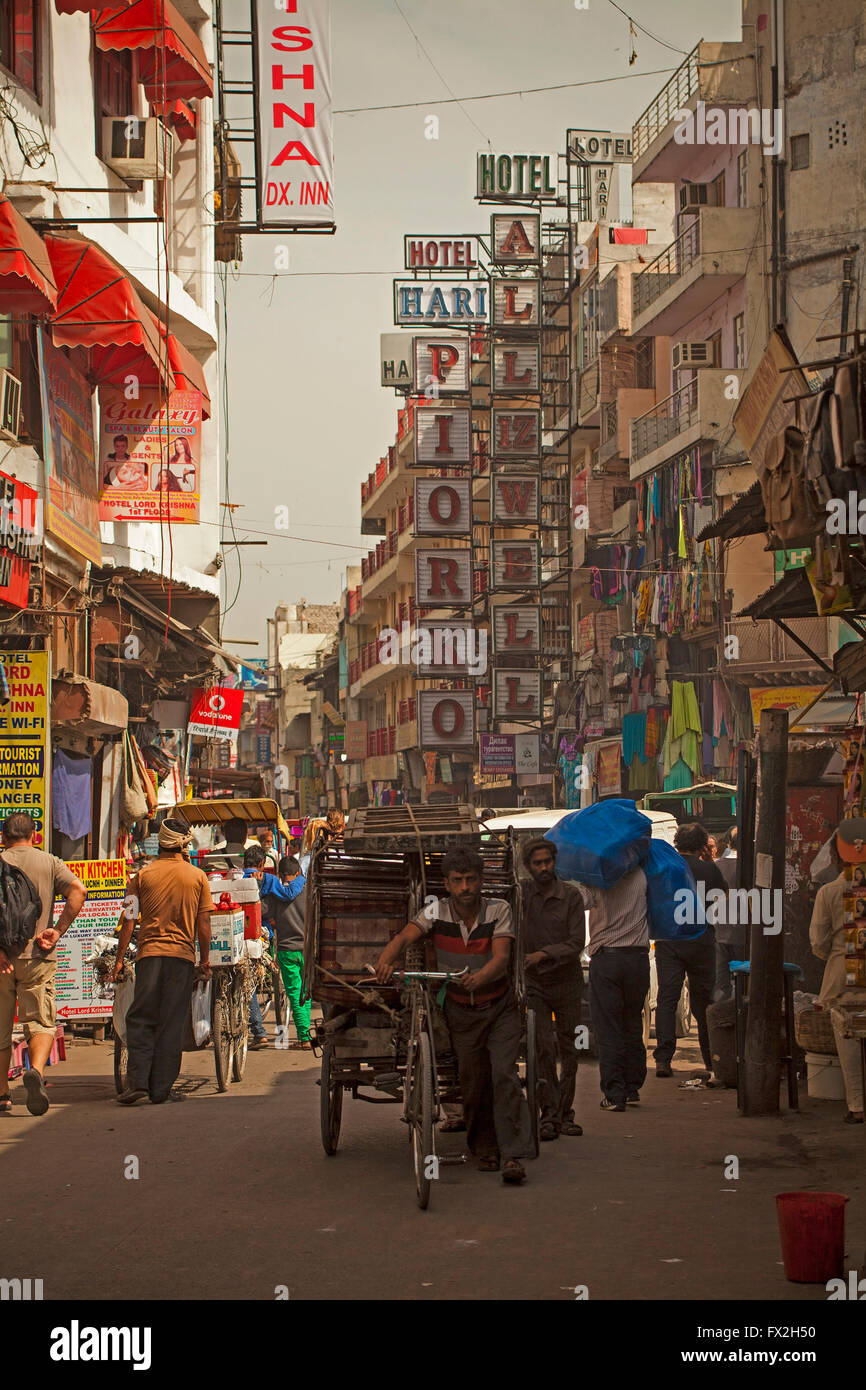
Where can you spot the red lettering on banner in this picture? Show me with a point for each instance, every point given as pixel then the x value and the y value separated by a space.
pixel 443 424
pixel 281 110
pixel 458 718
pixel 305 154
pixel 518 562
pixel 441 351
pixel 511 378
pixel 279 76
pixel 515 495
pixel 512 702
pixel 435 508
pixel 294 42
pixel 511 632
pixel 510 311
pixel 442 571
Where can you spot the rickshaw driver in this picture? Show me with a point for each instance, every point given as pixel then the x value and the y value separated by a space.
pixel 480 1010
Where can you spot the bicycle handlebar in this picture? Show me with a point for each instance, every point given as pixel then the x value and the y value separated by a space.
pixel 422 974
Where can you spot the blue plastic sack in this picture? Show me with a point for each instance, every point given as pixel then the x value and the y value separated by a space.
pixel 599 844
pixel 671 895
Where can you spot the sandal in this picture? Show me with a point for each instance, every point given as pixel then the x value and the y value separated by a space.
pixel 853 1117
pixel 488 1165
pixel 6 1104
pixel 514 1171
pixel 301 1045
pixel 452 1126
pixel 548 1131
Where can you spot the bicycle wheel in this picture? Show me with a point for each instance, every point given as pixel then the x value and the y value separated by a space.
pixel 330 1103
pixel 421 1120
pixel 223 1043
pixel 281 1001
pixel 240 1030
pixel 532 1079
pixel 121 1064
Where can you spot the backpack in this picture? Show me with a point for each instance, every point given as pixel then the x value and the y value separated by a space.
pixel 670 918
pixel 20 908
pixel 599 844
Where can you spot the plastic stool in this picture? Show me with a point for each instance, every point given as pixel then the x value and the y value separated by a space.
pixel 740 969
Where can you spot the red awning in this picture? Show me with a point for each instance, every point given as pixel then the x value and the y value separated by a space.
pixel 27 284
pixel 99 310
pixel 84 6
pixel 179 116
pixel 173 61
pixel 188 373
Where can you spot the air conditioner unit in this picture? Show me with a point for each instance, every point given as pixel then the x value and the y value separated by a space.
pixel 692 355
pixel 10 406
pixel 137 147
pixel 694 196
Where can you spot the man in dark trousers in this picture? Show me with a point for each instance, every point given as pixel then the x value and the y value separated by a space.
pixel 174 902
pixel 692 960
pixel 554 931
pixel 480 1009
pixel 618 983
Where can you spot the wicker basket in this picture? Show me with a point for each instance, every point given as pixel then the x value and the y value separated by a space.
pixel 813 1030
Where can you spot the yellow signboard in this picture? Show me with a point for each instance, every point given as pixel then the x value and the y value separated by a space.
pixel 781 697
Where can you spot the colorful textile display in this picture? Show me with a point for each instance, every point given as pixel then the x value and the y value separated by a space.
pixel 683 740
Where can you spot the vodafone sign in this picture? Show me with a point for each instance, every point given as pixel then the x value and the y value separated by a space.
pixel 216 713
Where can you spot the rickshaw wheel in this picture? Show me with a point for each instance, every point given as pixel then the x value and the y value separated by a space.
pixel 532 1080
pixel 421 1119
pixel 223 1043
pixel 240 1030
pixel 121 1065
pixel 330 1103
pixel 280 1000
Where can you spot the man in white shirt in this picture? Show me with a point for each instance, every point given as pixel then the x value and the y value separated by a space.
pixel 619 978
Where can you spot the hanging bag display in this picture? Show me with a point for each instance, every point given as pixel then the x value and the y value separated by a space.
pixel 133 800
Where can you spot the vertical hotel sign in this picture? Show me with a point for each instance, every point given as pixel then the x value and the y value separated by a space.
pixel 294 145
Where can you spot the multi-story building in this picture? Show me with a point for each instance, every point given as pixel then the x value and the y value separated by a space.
pixel 107 154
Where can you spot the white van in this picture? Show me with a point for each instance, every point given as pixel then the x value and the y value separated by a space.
pixel 533 823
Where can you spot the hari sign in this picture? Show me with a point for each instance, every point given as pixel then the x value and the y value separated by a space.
pixel 293 113
pixel 457 303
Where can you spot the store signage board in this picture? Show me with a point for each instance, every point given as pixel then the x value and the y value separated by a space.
pixel 440 253
pixel 81 993
pixel 515 564
pixel 516 499
pixel 515 240
pixel 24 738
pixel 515 434
pixel 396 360
pixel 446 720
pixel 516 304
pixel 443 304
pixel 442 365
pixel 20 538
pixel 600 146
pixel 517 694
pixel 443 578
pixel 443 507
pixel 516 629
pixel 443 436
pixel 149 456
pixel 527 753
pixel 293 114
pixel 216 713
pixel 521 178
pixel 356 740
pixel 516 368
pixel 69 451
pixel 497 752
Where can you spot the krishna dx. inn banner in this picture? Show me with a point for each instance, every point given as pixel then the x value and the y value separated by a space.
pixel 294 113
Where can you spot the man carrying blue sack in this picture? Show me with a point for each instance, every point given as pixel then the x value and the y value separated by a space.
pixel 618 982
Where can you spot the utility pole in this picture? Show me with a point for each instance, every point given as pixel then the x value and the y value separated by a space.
pixel 763 1028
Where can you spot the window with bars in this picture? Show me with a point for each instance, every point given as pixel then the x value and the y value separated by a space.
pixel 645 363
pixel 740 340
pixel 799 152
pixel 19 25
pixel 19 355
pixel 743 179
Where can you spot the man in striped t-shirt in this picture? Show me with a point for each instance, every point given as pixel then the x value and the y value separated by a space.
pixel 468 930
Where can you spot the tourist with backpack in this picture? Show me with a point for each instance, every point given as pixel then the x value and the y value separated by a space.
pixel 30 880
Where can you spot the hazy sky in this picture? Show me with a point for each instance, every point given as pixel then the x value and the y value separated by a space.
pixel 308 417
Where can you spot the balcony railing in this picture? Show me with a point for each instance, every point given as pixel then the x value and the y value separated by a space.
pixel 665 421
pixel 661 273
pixel 662 108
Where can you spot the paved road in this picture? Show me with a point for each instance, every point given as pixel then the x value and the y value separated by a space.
pixel 236 1197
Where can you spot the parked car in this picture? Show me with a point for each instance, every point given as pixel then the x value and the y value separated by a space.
pixel 532 823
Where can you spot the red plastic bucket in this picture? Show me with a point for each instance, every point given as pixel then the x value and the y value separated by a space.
pixel 812 1232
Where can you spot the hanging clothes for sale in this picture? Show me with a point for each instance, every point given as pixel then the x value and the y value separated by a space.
pixel 72 794
pixel 684 737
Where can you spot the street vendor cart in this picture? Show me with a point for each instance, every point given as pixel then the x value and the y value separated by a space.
pixel 390 1044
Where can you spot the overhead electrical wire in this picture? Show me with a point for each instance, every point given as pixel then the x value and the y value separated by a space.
pixel 400 11
pixel 495 96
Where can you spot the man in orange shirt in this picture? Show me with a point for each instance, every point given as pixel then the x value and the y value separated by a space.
pixel 174 902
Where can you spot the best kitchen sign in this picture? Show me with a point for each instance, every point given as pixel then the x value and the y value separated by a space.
pixel 216 713
pixel 293 113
